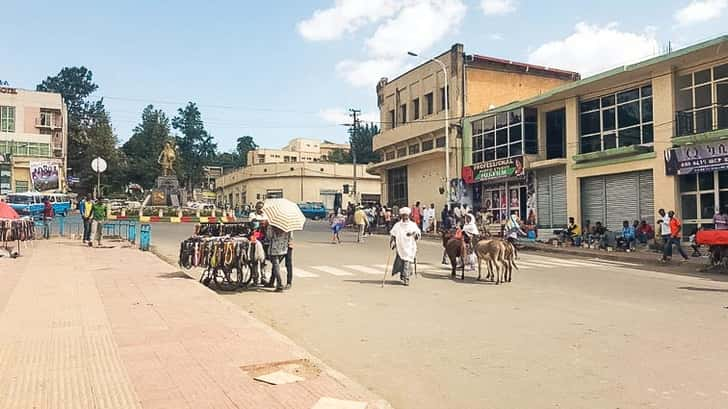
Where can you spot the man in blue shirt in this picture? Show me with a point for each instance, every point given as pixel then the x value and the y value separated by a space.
pixel 628 236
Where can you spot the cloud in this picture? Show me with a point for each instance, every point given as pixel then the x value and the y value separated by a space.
pixel 495 36
pixel 591 49
pixel 346 16
pixel 498 7
pixel 341 116
pixel 366 73
pixel 700 10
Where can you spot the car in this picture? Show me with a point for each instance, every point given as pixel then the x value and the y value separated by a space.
pixel 313 210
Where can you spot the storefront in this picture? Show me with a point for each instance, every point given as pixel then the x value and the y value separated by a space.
pixel 551 197
pixel 500 187
pixel 612 199
pixel 702 172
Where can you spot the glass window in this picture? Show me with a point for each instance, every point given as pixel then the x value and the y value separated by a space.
pixel 721 93
pixel 501 120
pixel 628 114
pixel 702 96
pixel 401 152
pixel 477 127
pixel 501 136
pixel 608 120
pixel 702 103
pixel 648 135
pixel 591 143
pixel 477 156
pixel 440 142
pixel 689 206
pixel 416 108
pixel 720 72
pixel 413 149
pixel 530 139
pixel 489 123
pixel 685 99
pixel 647 91
pixel 723 180
pixel 629 136
pixel 489 154
pixel 705 181
pixel 688 183
pixel 702 77
pixel 427 145
pixel 610 141
pixel 514 133
pixel 704 120
pixel 608 101
pixel 429 104
pixel 627 96
pixel 685 81
pixel 489 140
pixel 530 115
pixel 590 123
pixel 501 152
pixel 647 110
pixel 514 117
pixel 515 149
pixel 707 205
pixel 589 105
pixel 7 119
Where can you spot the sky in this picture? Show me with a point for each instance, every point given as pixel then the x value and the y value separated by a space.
pixel 277 70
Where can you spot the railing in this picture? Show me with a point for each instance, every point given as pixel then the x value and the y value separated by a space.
pixel 46 122
pixel 700 121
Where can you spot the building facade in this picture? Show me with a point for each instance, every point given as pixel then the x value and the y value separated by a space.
pixel 612 147
pixel 33 141
pixel 297 150
pixel 412 112
pixel 298 182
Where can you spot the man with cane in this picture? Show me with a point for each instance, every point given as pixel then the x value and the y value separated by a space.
pixel 404 236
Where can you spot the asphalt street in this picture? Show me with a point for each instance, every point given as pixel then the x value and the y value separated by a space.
pixel 567 332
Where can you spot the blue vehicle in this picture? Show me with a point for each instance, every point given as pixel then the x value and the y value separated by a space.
pixel 313 210
pixel 61 203
pixel 26 204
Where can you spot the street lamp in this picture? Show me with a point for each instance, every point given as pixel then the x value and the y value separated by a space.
pixel 447 123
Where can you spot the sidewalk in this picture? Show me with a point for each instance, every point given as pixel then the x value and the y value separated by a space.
pixel 118 328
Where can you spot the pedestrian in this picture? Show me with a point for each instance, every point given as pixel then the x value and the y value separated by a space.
pixel 417 215
pixel 279 241
pixel 664 229
pixel 289 262
pixel 720 219
pixel 457 212
pixel 360 220
pixel 675 228
pixel 404 236
pixel 445 219
pixel 84 207
pixel 337 223
pixel 47 218
pixel 98 213
pixel 428 219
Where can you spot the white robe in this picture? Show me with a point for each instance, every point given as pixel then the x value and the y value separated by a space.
pixel 406 245
pixel 470 227
pixel 428 218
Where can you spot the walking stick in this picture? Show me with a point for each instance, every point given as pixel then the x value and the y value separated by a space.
pixel 386 267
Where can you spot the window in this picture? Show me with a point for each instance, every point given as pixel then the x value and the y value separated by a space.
pixel 702 101
pixel 389 155
pixel 427 145
pixel 401 152
pixel 413 149
pixel 505 134
pixel 556 134
pixel 21 186
pixel 430 104
pixel 416 109
pixel 701 196
pixel 274 194
pixel 7 119
pixel 46 118
pixel 403 113
pixel 397 186
pixel 442 97
pixel 440 142
pixel 616 120
pixel 392 119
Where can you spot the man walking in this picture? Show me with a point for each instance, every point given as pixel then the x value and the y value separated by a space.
pixel 85 207
pixel 664 229
pixel 675 228
pixel 98 214
pixel 360 220
pixel 47 218
pixel 404 236
pixel 289 262
pixel 279 245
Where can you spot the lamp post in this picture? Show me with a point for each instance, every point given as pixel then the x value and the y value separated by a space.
pixel 447 124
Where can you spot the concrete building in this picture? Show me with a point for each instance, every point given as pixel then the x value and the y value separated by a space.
pixel 296 181
pixel 612 147
pixel 412 111
pixel 297 150
pixel 33 135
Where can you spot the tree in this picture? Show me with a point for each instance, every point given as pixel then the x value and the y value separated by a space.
pixel 143 148
pixel 361 143
pixel 195 144
pixel 340 156
pixel 102 142
pixel 245 145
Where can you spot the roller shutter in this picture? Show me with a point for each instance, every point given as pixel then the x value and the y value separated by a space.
pixel 551 197
pixel 593 205
pixel 612 199
pixel 647 198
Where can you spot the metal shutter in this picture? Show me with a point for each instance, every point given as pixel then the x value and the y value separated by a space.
pixel 543 198
pixel 558 197
pixel 592 200
pixel 647 198
pixel 622 199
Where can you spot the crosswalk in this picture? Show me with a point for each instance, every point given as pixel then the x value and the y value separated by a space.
pixel 526 262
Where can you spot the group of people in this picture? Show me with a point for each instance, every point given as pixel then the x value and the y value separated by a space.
pixel 277 246
pixel 93 214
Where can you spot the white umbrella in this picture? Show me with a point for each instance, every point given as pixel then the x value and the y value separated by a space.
pixel 284 214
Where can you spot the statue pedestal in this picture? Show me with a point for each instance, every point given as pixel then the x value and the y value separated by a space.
pixel 168 192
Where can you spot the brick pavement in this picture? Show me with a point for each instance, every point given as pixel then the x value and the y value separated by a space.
pixel 118 328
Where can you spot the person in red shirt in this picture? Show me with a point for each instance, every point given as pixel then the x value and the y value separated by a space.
pixel 675 228
pixel 645 232
pixel 416 215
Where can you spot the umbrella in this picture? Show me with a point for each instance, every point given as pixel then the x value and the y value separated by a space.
pixel 7 212
pixel 284 214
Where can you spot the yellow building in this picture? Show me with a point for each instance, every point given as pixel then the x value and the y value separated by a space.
pixel 412 112
pixel 298 182
pixel 297 150
pixel 33 136
pixel 612 147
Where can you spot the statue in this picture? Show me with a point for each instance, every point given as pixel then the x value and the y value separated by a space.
pixel 167 158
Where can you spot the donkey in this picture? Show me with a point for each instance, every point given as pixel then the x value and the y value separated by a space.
pixel 492 252
pixel 454 248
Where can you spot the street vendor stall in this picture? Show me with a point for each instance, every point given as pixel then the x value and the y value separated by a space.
pixel 717 242
pixel 13 229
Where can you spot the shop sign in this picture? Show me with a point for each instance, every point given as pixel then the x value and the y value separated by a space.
pixel 696 158
pixel 499 169
pixel 7 90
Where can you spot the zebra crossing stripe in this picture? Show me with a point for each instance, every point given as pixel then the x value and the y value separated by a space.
pixel 616 263
pixel 365 269
pixel 520 263
pixel 297 272
pixel 382 266
pixel 332 270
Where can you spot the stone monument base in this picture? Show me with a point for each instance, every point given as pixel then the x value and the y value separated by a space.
pixel 168 192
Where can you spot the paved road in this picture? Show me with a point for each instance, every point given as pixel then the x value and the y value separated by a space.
pixel 570 333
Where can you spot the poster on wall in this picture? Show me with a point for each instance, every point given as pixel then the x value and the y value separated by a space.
pixel 688 159
pixel 494 170
pixel 44 175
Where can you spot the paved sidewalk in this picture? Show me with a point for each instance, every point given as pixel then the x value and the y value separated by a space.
pixel 118 328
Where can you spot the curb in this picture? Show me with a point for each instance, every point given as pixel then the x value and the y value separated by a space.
pixel 615 256
pixel 171 219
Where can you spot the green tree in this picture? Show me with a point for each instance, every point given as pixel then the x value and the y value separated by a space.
pixel 143 148
pixel 340 156
pixel 102 142
pixel 361 143
pixel 245 144
pixel 195 144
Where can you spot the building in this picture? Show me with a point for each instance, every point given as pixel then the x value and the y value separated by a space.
pixel 297 150
pixel 298 182
pixel 412 112
pixel 612 147
pixel 33 141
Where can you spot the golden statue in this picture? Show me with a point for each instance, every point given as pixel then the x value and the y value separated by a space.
pixel 167 158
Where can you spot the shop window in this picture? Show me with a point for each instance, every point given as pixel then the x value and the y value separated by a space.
pixel 617 120
pixel 702 101
pixel 702 195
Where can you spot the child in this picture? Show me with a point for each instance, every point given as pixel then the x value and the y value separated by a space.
pixel 693 244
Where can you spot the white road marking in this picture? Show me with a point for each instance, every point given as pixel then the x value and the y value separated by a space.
pixel 382 266
pixel 533 264
pixel 618 263
pixel 365 269
pixel 333 270
pixel 297 272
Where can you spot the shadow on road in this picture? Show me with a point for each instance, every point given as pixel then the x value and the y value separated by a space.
pixel 717 290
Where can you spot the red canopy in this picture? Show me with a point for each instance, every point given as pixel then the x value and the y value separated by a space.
pixel 7 212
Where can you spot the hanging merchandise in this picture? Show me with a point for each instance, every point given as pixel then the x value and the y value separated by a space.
pixel 223 229
pixel 15 230
pixel 225 260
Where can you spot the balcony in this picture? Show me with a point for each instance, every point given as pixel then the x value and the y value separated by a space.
pixel 49 122
pixel 703 125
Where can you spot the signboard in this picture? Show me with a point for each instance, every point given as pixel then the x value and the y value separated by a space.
pixel 44 175
pixel 159 198
pixel 494 170
pixel 8 90
pixel 98 165
pixel 696 158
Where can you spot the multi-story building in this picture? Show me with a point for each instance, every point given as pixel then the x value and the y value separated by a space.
pixel 412 113
pixel 33 141
pixel 612 147
pixel 297 150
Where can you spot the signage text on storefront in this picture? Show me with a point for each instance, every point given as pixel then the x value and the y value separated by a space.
pixel 688 159
pixel 494 170
pixel 7 90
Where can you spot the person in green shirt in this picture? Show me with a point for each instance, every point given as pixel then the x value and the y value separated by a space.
pixel 98 214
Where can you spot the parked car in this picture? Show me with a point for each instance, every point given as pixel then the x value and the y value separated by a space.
pixel 313 210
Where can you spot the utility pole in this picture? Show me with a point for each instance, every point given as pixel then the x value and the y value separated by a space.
pixel 354 133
